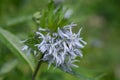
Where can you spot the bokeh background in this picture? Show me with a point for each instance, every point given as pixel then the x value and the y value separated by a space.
pixel 101 30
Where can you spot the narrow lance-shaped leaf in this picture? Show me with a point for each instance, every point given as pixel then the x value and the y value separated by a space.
pixel 13 43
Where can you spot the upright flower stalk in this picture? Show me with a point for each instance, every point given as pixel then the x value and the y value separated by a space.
pixel 60 46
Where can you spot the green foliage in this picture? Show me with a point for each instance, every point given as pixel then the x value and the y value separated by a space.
pixel 13 43
pixel 100 21
pixel 8 66
pixel 51 17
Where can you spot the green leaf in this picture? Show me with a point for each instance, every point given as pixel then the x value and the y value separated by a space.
pixel 13 43
pixel 8 66
pixel 31 42
pixel 51 16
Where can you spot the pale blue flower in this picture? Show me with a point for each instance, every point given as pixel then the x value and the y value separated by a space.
pixel 25 48
pixel 60 48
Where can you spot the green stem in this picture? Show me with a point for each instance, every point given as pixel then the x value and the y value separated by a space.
pixel 37 68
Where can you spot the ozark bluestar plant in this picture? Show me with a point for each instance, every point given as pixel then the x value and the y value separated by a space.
pixel 59 48
pixel 55 41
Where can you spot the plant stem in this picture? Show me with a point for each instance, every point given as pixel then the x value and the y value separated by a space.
pixel 37 68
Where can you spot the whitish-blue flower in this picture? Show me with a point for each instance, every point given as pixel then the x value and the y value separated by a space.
pixel 60 48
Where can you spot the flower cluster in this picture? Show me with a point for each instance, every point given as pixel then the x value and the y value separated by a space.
pixel 60 48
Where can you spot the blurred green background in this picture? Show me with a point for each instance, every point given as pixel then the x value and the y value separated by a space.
pixel 101 30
